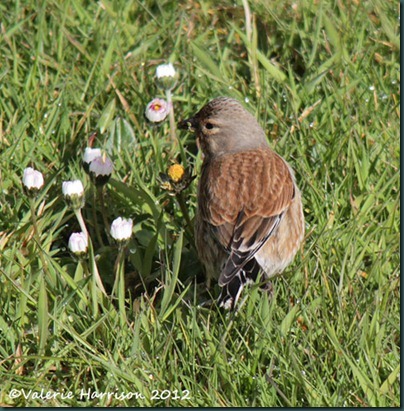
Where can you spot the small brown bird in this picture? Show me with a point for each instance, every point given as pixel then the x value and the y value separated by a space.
pixel 249 213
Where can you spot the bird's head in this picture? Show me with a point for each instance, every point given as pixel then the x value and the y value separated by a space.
pixel 224 126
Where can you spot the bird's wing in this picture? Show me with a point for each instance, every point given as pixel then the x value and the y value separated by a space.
pixel 246 196
pixel 245 244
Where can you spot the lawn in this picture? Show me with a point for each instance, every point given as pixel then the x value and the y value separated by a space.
pixel 323 79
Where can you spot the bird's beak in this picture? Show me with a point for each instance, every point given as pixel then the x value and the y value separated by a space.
pixel 188 124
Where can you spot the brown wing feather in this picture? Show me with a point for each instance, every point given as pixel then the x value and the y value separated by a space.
pixel 258 182
pixel 244 196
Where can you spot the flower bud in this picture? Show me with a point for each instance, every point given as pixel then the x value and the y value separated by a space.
pixel 89 155
pixel 100 170
pixel 166 76
pixel 32 180
pixel 121 229
pixel 73 192
pixel 78 244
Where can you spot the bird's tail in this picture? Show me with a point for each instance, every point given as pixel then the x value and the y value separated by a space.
pixel 232 290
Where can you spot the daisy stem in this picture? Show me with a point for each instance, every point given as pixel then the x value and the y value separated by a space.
pixel 173 128
pixel 38 241
pixel 96 227
pixel 94 268
pixel 79 216
pixel 119 284
pixel 101 198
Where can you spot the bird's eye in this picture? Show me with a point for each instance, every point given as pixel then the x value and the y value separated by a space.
pixel 209 126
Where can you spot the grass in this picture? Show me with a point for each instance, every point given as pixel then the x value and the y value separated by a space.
pixel 323 80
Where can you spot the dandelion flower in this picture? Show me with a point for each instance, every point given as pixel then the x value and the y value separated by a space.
pixel 176 172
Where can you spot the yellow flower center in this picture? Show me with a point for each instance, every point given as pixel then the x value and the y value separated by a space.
pixel 176 172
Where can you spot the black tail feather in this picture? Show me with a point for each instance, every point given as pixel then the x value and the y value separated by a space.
pixel 231 291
